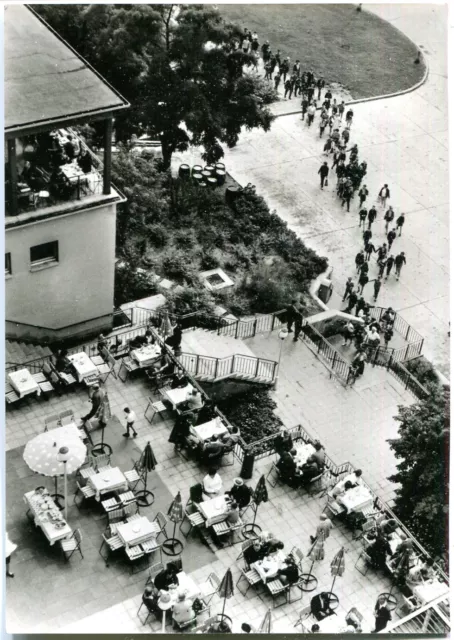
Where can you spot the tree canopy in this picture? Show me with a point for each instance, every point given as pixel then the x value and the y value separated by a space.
pixel 423 470
pixel 179 65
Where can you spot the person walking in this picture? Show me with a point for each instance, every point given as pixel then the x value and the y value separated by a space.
pixel 362 217
pixel 381 262
pixel 10 548
pixel 311 90
pixel 349 286
pixel 360 305
pixel 327 147
pixel 352 300
pixel 367 236
pixel 382 614
pixel 285 68
pixel 341 109
pixel 323 123
pixel 400 223
pixel 268 70
pixel 277 80
pixel 388 217
pixel 304 106
pixel 320 86
pixel 345 135
pixel 400 261
pixel 389 265
pixel 382 251
pixel 349 118
pixel 99 401
pixel 323 172
pixel 391 237
pixel 348 333
pixel 371 216
pixel 310 114
pixel 130 419
pixel 383 195
pixel 360 259
pixel 292 312
pixel 288 89
pixel 388 334
pixel 363 280
pixel 363 193
pixel 369 249
pixel 328 97
pixel 377 287
pixel 347 194
pixel 353 153
pixel 298 322
pixel 364 268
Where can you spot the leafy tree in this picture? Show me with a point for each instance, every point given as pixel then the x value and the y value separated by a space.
pixel 423 470
pixel 179 67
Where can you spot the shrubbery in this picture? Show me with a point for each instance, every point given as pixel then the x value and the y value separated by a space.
pixel 423 371
pixel 253 413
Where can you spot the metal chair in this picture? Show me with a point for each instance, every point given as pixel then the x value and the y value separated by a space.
pixel 303 615
pixel 250 577
pixel 44 384
pixel 181 626
pixel 66 417
pixel 154 407
pixel 298 556
pixel 88 469
pixel 51 422
pixel 86 492
pixel 195 519
pixel 114 543
pixel 161 521
pixel 135 554
pixel 365 560
pixel 102 462
pixel 128 365
pixel 277 590
pixel 245 545
pixel 130 509
pixel 114 518
pixel 71 545
pixel 149 608
pixel 106 367
pixel 274 473
pixel 134 475
pixel 127 497
pixel 153 572
pixel 110 504
pixel 10 395
pixel 209 588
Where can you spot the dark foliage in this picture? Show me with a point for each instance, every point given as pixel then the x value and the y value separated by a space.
pixel 253 412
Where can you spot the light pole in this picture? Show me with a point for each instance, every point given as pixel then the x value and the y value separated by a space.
pixel 283 333
pixel 62 456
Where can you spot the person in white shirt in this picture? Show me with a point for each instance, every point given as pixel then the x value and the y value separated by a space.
pixel 350 481
pixel 130 419
pixel 212 484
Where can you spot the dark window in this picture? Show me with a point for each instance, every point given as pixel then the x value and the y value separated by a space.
pixel 42 253
pixel 7 264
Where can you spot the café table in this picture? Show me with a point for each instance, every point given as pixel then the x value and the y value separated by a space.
pixel 331 624
pixel 356 499
pixel 83 365
pixel 111 479
pixel 137 531
pixel 72 172
pixel 178 396
pixel 47 516
pixel 429 590
pixel 214 510
pixel 146 355
pixel 303 452
pixel 207 430
pixel 269 566
pixel 23 383
pixel 185 584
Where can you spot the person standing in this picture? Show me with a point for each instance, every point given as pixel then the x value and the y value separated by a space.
pixel 323 172
pixel 388 334
pixel 367 236
pixel 285 67
pixel 277 80
pixel 352 300
pixel 328 97
pixel 389 265
pixel 349 286
pixel 363 280
pixel 377 287
pixel 391 237
pixel 10 548
pixel 341 109
pixel 382 614
pixel 383 195
pixel 130 419
pixel 400 223
pixel 369 249
pixel 347 194
pixel 311 90
pixel 345 135
pixel 362 217
pixel 371 216
pixel 359 260
pixel 292 312
pixel 323 529
pixel 388 217
pixel 310 114
pixel 323 122
pixel 349 118
pixel 304 106
pixel 399 262
pixel 348 333
pixel 298 323
pixel 288 89
pixel 320 86
pixel 363 193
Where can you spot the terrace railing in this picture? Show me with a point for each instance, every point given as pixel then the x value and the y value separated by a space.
pixel 217 368
pixel 328 354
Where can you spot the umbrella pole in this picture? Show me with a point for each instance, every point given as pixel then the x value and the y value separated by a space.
pixel 58 498
pixel 252 530
pixel 172 546
pixel 144 497
pixel 102 447
pixel 309 581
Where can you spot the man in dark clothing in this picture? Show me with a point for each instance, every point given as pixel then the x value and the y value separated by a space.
pixel 369 249
pixel 391 237
pixel 382 251
pixel 277 80
pixel 292 312
pixel 320 86
pixel 388 217
pixel 377 287
pixel 364 268
pixel 349 285
pixel 285 68
pixel 382 614
pixel 349 118
pixel 352 300
pixel 254 552
pixel 383 195
pixel 304 106
pixel 363 280
pixel 240 493
pixel 381 262
pixel 400 223
pixel 320 606
pixel 400 261
pixel 389 265
pixel 363 193
pixel 360 305
pixel 323 171
pixel 97 399
pixel 367 235
pixel 347 195
pixel 362 217
pixel 371 216
pixel 359 260
pixel 289 573
pixel 287 466
pixel 288 89
pixel 328 98
pixel 283 442
pixel 166 578
pixel 298 324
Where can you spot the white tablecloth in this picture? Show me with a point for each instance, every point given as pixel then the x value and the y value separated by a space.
pixel 23 383
pixel 43 514
pixel 146 355
pixel 187 584
pixel 430 590
pixel 214 510
pixel 269 566
pixel 83 365
pixel 177 396
pixel 208 429
pixel 356 499
pixel 303 451
pixel 331 624
pixel 137 531
pixel 109 480
pixel 72 171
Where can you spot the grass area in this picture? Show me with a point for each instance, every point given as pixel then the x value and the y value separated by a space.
pixel 364 53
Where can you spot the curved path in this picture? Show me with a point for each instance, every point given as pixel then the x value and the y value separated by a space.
pixel 405 143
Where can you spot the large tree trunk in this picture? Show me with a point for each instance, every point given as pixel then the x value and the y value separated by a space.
pixel 167 150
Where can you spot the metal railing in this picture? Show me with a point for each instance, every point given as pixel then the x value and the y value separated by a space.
pixel 399 371
pixel 335 362
pixel 217 368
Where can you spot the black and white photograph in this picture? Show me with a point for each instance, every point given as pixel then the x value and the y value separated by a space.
pixel 227 319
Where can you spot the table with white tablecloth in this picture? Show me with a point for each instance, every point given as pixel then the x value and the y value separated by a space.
pixel 178 396
pixel 47 516
pixel 268 567
pixel 214 510
pixel 146 355
pixel 303 452
pixel 73 173
pixel 137 531
pixel 83 365
pixel 207 430
pixel 356 499
pixel 23 383
pixel 331 624
pixel 112 479
pixel 428 591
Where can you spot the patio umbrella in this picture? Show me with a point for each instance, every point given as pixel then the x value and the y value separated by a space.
pixel 225 589
pixel 316 554
pixel 337 566
pixel 265 625
pixel 173 546
pixel 260 495
pixel 147 462
pixel 42 455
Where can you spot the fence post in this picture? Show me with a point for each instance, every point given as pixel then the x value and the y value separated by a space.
pixel 319 344
pixel 236 328
pixel 406 352
pixel 420 346
pixel 408 331
pixel 254 329
pixel 216 369
pixel 197 366
pixel 272 323
pixel 257 368
pixel 390 360
pixel 334 359
pixel 219 326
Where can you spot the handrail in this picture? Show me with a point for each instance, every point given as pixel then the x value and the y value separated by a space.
pixel 432 605
pixel 217 368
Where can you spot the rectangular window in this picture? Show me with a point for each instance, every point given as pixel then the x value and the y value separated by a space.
pixel 44 253
pixel 8 271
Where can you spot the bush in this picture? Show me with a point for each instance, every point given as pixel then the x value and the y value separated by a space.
pixel 189 299
pixel 267 289
pixel 422 370
pixel 184 239
pixel 132 285
pixel 331 327
pixel 176 266
pixel 209 261
pixel 158 235
pixel 253 413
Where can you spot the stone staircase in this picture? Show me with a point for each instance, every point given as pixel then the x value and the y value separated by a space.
pixel 22 352
pixel 210 357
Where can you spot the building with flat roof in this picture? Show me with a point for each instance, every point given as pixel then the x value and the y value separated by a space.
pixel 60 205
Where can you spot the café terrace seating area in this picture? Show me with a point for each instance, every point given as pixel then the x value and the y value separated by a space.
pixel 87 548
pixel 52 168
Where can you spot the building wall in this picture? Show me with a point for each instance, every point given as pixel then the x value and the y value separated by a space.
pixel 77 289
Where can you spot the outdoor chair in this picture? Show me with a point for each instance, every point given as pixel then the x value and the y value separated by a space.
pixel 298 556
pixel 97 360
pixel 333 508
pixel 408 605
pixel 114 518
pixel 135 554
pixel 43 382
pixel 151 611
pixel 273 475
pixel 127 366
pixel 228 457
pixel 154 408
pixel 209 588
pixel 71 545
pixel 107 367
pixel 245 545
pixel 250 505
pixel 153 572
pixel 110 504
pixel 193 517
pixel 130 510
pixel 113 543
pixel 161 521
pixel 251 578
pixel 365 527
pixel 355 616
pixel 102 462
pixel 206 625
pixel 363 562
pixel 279 592
pixel 89 381
pixel 127 497
pixel 51 422
pixel 315 484
pixel 181 626
pixel 134 476
pixel 10 395
pixel 303 615
pixel 86 493
pixel 88 469
pixel 66 417
pixel 151 546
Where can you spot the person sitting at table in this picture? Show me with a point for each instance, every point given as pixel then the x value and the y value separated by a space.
pixel 354 478
pixel 417 575
pixel 179 380
pixel 174 340
pixel 182 610
pixel 254 553
pixel 350 481
pixel 404 548
pixel 320 606
pixel 289 572
pixel 283 442
pixel 84 161
pixel 150 600
pixel 72 147
pixel 287 466
pixel 240 493
pixel 315 628
pixel 220 626
pixel 213 450
pixel 309 470
pixel 181 432
pixel 377 551
pixel 230 438
pixel 193 402
pixel 269 543
pixel 319 455
pixel 233 514
pixel 62 363
pixel 207 412
pixel 212 484
pixel 387 527
pixel 166 578
pixel 246 628
pixel 165 366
